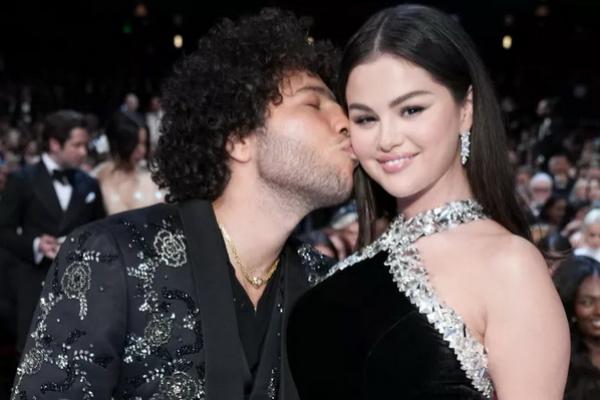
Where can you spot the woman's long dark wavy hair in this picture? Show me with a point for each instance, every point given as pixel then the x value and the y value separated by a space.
pixel 436 42
pixel 123 133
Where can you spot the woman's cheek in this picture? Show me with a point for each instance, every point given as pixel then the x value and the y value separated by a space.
pixel 361 145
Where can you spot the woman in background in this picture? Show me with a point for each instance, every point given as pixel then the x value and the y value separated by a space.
pixel 578 283
pixel 124 179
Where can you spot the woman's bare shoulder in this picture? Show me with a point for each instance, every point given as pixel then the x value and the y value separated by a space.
pixel 507 254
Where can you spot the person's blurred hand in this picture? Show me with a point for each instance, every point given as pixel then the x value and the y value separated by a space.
pixel 49 246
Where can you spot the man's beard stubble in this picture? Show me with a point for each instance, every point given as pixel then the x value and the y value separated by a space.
pixel 300 174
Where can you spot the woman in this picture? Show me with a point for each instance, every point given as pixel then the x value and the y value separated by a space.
pixel 452 301
pixel 578 283
pixel 125 182
pixel 555 248
pixel 554 213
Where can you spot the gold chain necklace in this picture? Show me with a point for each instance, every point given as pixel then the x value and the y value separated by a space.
pixel 255 281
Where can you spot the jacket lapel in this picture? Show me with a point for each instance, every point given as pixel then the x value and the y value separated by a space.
pixel 44 190
pixel 226 370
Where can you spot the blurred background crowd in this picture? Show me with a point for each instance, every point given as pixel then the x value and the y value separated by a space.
pixel 106 61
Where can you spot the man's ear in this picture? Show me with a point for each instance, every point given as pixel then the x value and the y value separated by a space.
pixel 466 117
pixel 241 148
pixel 54 145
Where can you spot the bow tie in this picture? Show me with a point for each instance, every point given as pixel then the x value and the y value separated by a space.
pixel 62 176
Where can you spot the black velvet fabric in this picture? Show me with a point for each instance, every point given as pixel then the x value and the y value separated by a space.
pixel 355 336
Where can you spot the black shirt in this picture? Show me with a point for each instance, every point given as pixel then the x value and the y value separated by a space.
pixel 253 325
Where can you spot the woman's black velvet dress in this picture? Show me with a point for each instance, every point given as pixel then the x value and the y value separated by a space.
pixel 376 330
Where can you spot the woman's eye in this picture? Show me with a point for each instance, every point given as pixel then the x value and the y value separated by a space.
pixel 314 105
pixel 586 302
pixel 411 110
pixel 363 120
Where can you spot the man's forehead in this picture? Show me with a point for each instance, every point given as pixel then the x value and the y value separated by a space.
pixel 78 133
pixel 299 82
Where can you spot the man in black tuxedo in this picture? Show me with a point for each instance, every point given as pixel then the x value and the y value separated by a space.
pixel 44 202
pixel 190 300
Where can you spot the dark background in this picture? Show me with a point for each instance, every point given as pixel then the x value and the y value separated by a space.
pixel 87 54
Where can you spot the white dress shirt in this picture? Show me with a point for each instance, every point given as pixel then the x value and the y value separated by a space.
pixel 586 251
pixel 63 191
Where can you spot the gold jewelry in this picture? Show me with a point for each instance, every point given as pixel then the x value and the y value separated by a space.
pixel 255 281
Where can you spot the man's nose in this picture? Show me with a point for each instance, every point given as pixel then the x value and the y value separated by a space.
pixel 340 124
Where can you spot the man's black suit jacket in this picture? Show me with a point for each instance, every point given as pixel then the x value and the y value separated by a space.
pixel 29 207
pixel 140 306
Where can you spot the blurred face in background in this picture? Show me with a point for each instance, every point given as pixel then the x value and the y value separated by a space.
pixel 522 178
pixel 543 108
pixel 593 172
pixel 140 150
pixel 559 165
pixel 540 191
pixel 581 212
pixel 31 152
pixel 132 102
pixel 155 104
pixel 581 189
pixel 557 212
pixel 591 235
pixel 587 307
pixel 73 151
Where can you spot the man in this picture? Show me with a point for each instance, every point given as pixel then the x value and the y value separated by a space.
pixel 44 202
pixel 540 187
pixel 190 300
pixel 559 167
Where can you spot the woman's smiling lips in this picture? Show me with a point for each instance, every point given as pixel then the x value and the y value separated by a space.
pixel 393 163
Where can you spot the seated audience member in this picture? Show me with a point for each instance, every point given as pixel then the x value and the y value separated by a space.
pixel 555 249
pixel 591 235
pixel 580 192
pixel 554 212
pixel 125 181
pixel 573 229
pixel 561 172
pixel 578 283
pixel 540 187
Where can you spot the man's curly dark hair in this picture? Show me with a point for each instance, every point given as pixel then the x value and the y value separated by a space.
pixel 224 88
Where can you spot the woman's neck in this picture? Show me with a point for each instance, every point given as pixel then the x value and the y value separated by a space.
pixel 424 201
pixel 452 186
pixel 593 344
pixel 123 166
